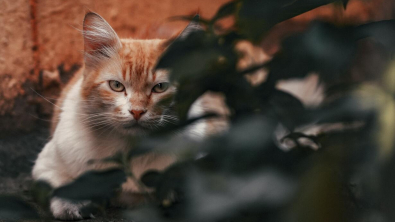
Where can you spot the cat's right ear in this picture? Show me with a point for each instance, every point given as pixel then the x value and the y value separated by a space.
pixel 100 40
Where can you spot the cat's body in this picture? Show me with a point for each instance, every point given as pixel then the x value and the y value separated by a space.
pixel 111 100
pixel 74 143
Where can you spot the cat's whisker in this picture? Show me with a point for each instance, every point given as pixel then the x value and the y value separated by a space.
pixel 94 118
pixel 100 126
pixel 45 98
pixel 94 123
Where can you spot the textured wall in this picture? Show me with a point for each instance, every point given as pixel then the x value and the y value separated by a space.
pixel 40 41
pixel 16 60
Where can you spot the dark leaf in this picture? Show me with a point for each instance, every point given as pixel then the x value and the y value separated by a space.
pixel 150 178
pixel 42 191
pixel 15 209
pixel 147 214
pixel 195 62
pixel 93 185
pixel 345 2
pixel 287 109
pixel 323 48
pixel 192 27
pixel 190 18
pixel 382 32
pixel 198 54
pixel 256 17
pixel 225 10
pixel 219 196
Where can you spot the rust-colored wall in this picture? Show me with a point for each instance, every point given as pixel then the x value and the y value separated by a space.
pixel 16 60
pixel 40 42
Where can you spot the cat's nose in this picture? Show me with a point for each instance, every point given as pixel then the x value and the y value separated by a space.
pixel 137 113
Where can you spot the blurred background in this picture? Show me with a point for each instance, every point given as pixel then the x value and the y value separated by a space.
pixel 41 43
pixel 41 48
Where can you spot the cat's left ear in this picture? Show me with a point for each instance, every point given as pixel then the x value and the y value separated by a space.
pixel 193 26
pixel 100 40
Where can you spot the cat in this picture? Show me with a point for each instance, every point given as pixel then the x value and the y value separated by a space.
pixel 114 97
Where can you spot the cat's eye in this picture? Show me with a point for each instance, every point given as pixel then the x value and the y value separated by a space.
pixel 116 86
pixel 160 87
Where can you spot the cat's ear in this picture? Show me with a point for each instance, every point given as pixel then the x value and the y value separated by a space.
pixel 100 40
pixel 193 26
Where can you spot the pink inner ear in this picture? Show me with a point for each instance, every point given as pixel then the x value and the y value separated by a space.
pixel 100 40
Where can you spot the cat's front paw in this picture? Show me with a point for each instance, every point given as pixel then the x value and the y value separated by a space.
pixel 66 210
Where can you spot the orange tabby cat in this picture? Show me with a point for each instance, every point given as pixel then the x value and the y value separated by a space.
pixel 111 99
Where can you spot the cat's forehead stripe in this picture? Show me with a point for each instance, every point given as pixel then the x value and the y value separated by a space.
pixel 139 58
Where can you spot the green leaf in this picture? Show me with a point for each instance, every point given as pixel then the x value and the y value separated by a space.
pixel 92 185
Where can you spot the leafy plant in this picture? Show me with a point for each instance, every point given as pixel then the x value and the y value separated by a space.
pixel 242 174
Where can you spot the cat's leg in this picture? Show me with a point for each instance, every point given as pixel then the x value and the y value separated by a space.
pixel 66 210
pixel 50 168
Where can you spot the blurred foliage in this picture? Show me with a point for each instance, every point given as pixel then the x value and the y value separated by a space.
pixel 13 208
pixel 242 174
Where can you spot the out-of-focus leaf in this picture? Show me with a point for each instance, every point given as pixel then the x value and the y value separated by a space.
pixel 150 178
pixel 320 190
pixel 219 196
pixel 225 10
pixel 342 4
pixel 190 18
pixel 325 49
pixel 41 192
pixel 345 2
pixel 15 209
pixel 322 48
pixel 196 55
pixel 250 145
pixel 93 185
pixel 387 191
pixel 170 187
pixel 147 214
pixel 382 32
pixel 195 63
pixel 287 108
pixel 256 17
pixel 325 186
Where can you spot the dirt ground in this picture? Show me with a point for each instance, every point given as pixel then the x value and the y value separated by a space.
pixel 18 152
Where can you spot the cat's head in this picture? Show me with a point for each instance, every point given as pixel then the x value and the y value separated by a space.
pixel 120 90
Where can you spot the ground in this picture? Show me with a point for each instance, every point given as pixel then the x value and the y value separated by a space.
pixel 18 151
